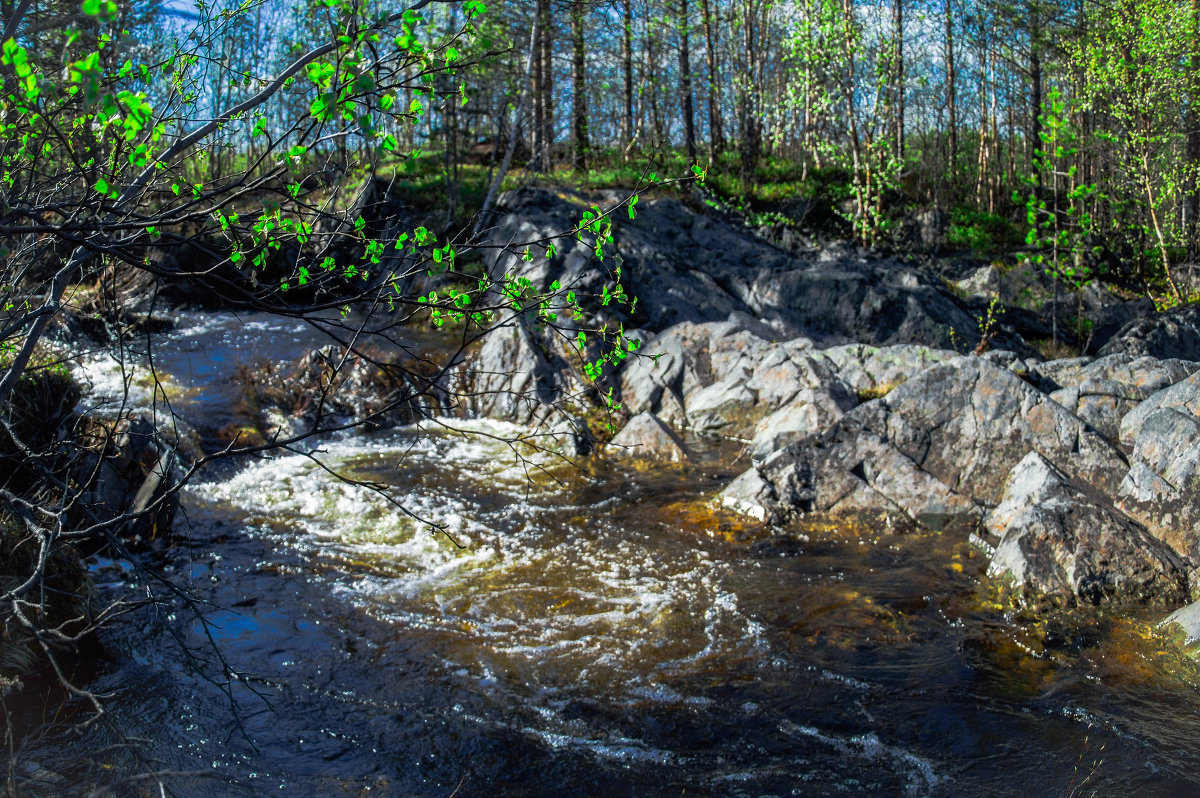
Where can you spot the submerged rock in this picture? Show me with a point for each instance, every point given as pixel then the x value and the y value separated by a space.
pixel 1059 538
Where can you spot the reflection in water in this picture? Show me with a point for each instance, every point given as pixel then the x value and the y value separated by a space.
pixel 604 632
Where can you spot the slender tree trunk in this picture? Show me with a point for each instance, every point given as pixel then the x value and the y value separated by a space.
pixel 1192 229
pixel 685 84
pixel 579 125
pixel 542 132
pixel 898 74
pixel 627 69
pixel 1035 91
pixel 952 107
pixel 537 129
pixel 748 92
pixel 716 137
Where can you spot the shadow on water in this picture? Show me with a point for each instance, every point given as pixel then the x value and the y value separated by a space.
pixel 606 633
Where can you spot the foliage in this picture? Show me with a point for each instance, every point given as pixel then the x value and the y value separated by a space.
pixel 983 232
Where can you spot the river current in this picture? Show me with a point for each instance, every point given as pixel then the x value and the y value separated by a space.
pixel 595 629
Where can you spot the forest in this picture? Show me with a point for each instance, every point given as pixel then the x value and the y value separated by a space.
pixel 525 347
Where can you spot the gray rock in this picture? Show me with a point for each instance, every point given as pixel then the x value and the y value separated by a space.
pixel 1175 333
pixel 941 444
pixel 645 437
pixel 724 378
pixel 511 378
pixel 1101 403
pixel 684 266
pixel 1162 489
pixel 1062 539
pixel 1183 396
pixel 871 368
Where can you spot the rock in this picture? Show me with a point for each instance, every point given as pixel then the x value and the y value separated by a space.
pixel 867 369
pixel 1101 403
pixel 749 494
pixel 1162 488
pixel 723 377
pixel 1174 334
pixel 685 266
pixel 941 444
pixel 645 437
pixel 1188 620
pixel 511 379
pixel 927 229
pixel 1062 539
pixel 1104 390
pixel 1183 396
pixel 571 437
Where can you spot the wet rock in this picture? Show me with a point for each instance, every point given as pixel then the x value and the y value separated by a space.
pixel 750 493
pixel 645 437
pixel 127 469
pixel 1174 334
pixel 1187 619
pixel 327 388
pixel 1062 539
pixel 941 444
pixel 570 436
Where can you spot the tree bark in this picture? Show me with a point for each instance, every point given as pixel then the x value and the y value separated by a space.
pixel 716 136
pixel 627 68
pixel 685 84
pixel 952 107
pixel 579 125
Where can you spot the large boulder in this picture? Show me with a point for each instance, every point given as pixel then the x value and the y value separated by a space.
pixel 1162 488
pixel 687 266
pixel 1183 396
pixel 1175 333
pixel 941 444
pixel 1103 391
pixel 1059 538
pixel 725 378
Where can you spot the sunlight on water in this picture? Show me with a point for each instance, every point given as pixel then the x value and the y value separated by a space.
pixel 550 589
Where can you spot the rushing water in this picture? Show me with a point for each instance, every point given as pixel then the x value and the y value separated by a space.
pixel 592 631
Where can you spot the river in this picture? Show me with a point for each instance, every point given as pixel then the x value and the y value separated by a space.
pixel 594 631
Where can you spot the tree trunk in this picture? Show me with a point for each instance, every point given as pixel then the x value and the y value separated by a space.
pixel 952 154
pixel 685 84
pixel 716 136
pixel 898 75
pixel 579 126
pixel 1192 228
pixel 627 68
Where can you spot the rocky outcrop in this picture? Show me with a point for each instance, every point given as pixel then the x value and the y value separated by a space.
pixel 941 443
pixel 838 370
pixel 1059 538
pixel 687 266
pixel 1174 334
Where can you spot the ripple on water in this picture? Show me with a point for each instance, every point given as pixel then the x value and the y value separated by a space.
pixel 555 593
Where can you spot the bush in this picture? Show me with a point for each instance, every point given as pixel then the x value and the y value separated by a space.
pixel 981 231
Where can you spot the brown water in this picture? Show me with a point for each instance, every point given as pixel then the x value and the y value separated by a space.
pixel 601 631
